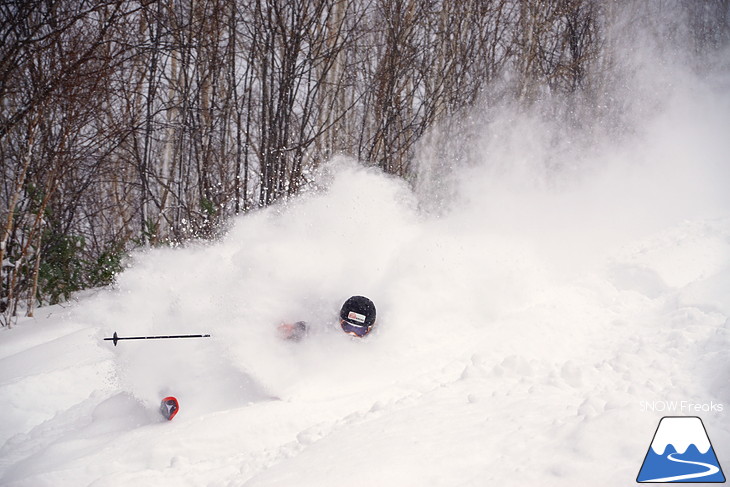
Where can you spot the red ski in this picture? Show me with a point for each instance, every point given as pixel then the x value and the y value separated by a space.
pixel 169 407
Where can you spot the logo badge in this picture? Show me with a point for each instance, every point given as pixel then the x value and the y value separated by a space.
pixel 356 317
pixel 680 452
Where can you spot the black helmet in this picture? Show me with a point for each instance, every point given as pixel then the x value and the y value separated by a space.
pixel 357 315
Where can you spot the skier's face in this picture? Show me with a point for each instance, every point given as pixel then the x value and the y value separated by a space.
pixel 354 330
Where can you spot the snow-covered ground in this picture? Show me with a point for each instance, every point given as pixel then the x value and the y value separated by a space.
pixel 532 333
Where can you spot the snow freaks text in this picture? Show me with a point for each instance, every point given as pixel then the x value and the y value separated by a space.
pixel 683 407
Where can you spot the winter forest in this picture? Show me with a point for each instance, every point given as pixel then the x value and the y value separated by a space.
pixel 128 124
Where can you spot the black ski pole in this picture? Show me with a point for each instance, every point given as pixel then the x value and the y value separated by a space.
pixel 116 338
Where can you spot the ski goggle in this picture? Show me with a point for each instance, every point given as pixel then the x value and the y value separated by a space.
pixel 355 330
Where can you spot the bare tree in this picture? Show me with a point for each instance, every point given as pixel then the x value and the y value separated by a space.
pixel 54 58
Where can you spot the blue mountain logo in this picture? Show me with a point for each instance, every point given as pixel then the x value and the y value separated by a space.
pixel 680 452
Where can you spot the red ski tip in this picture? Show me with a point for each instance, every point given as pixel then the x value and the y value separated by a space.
pixel 169 407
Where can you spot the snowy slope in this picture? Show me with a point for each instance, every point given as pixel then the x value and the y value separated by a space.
pixel 521 333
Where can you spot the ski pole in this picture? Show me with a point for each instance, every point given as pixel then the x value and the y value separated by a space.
pixel 116 338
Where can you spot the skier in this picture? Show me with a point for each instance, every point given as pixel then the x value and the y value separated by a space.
pixel 357 318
